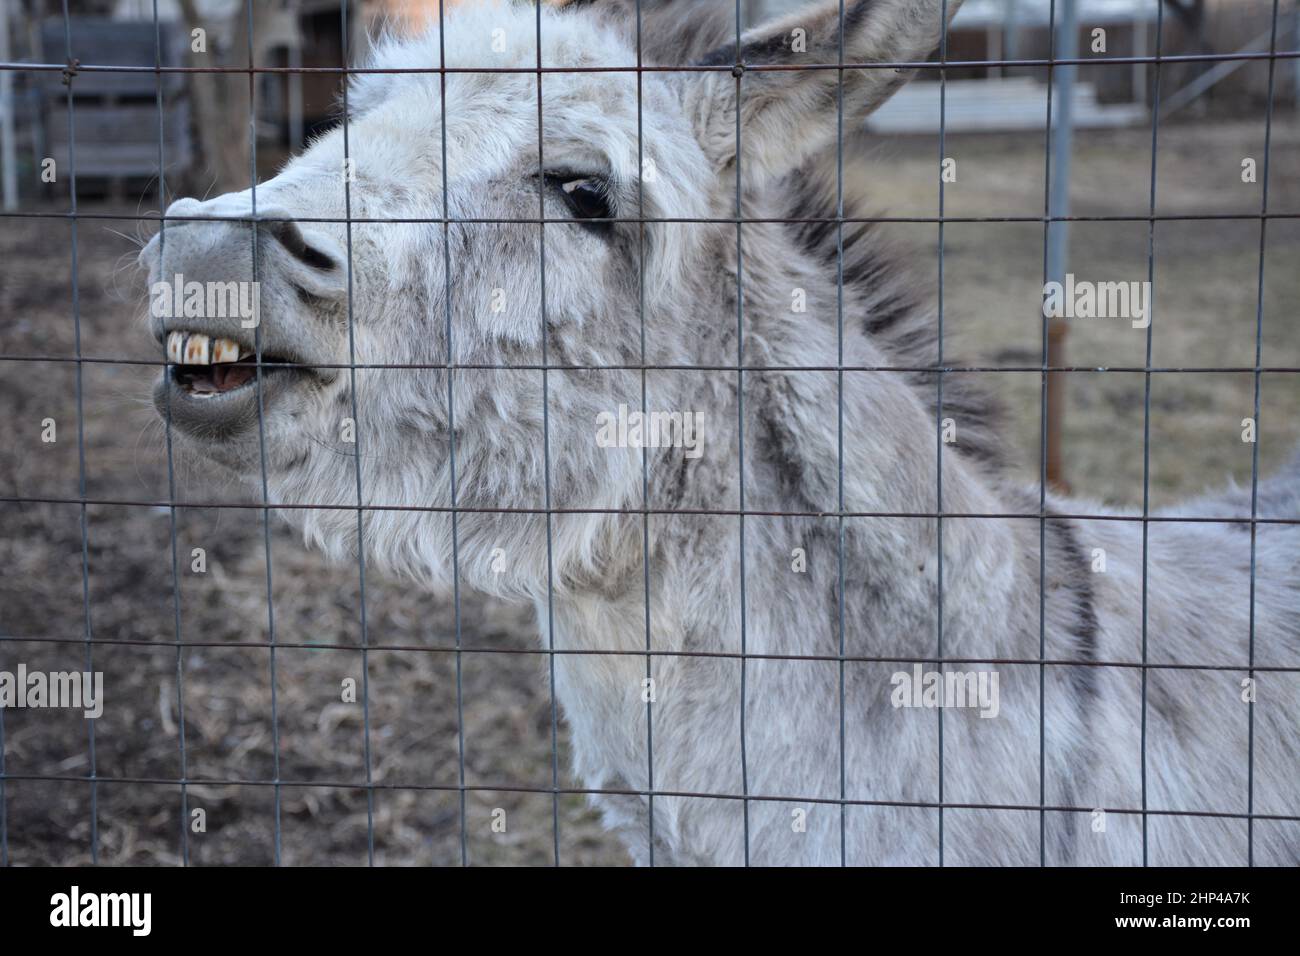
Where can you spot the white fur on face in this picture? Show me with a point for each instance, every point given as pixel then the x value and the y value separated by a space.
pixel 399 188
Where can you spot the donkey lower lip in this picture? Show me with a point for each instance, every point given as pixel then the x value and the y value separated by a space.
pixel 220 403
pixel 208 381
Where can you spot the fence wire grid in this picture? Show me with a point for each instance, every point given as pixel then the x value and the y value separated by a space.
pixel 76 74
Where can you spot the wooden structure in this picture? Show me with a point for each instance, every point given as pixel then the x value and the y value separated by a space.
pixel 115 116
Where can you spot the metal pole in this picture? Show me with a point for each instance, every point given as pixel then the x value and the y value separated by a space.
pixel 8 149
pixel 1139 49
pixel 1011 31
pixel 1058 232
pixel 1295 64
pixel 297 130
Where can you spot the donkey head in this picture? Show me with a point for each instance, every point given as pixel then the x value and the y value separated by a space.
pixel 394 295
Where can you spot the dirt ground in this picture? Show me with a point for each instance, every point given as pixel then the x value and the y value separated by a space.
pixel 217 685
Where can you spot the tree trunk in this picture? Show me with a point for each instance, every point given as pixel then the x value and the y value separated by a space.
pixel 222 109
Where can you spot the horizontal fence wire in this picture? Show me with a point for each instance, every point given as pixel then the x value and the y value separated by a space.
pixel 72 68
pixel 75 72
pixel 645 220
pixel 670 367
pixel 635 792
pixel 689 512
pixel 684 654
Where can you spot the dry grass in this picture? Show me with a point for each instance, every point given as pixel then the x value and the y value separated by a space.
pixel 1205 289
pixel 1206 294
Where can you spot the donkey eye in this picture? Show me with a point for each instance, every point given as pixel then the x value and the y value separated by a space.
pixel 586 196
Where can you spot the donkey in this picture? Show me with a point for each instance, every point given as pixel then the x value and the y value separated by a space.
pixel 565 345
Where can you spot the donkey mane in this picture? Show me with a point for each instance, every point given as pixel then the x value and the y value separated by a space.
pixel 884 302
pixel 882 297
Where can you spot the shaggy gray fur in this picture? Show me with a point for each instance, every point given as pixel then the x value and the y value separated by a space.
pixel 589 583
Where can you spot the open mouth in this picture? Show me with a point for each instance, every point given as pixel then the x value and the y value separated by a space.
pixel 206 367
pixel 216 390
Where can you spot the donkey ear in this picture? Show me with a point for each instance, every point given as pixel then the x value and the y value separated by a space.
pixel 790 112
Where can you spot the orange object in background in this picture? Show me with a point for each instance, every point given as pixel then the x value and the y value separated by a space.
pixel 413 14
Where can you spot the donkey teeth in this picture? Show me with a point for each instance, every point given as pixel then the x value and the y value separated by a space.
pixel 225 350
pixel 198 349
pixel 193 348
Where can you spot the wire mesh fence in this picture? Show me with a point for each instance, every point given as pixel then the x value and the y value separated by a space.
pixel 289 780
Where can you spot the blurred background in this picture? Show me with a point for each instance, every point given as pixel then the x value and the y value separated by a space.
pixel 186 660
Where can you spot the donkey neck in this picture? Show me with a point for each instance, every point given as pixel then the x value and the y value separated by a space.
pixel 820 445
pixel 831 427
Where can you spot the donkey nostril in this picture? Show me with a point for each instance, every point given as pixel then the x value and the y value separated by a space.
pixel 291 237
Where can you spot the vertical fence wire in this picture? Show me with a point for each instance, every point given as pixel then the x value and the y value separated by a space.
pixel 451 441
pixel 839 423
pixel 261 439
pixel 739 73
pixel 171 464
pixel 1146 404
pixel 938 407
pixel 546 451
pixel 1254 449
pixel 356 451
pixel 1042 449
pixel 81 432
pixel 645 455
